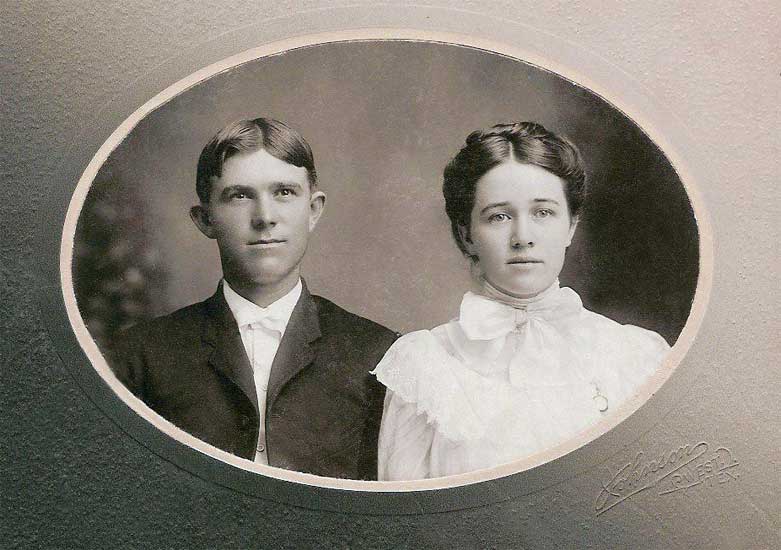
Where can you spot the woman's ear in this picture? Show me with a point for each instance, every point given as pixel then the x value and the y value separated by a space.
pixel 466 240
pixel 199 214
pixel 572 227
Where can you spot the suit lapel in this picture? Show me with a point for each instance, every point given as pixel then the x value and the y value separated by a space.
pixel 227 354
pixel 295 350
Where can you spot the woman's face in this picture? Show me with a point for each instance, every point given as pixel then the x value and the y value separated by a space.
pixel 520 228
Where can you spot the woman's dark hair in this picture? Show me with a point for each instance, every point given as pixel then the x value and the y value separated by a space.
pixel 524 142
pixel 273 136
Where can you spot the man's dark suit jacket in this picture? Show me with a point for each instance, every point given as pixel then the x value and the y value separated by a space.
pixel 323 407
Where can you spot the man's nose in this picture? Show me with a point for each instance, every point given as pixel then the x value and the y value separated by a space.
pixel 523 233
pixel 265 212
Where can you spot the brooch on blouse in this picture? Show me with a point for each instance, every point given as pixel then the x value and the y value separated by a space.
pixel 600 400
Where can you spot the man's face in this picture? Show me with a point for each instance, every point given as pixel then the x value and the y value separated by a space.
pixel 260 212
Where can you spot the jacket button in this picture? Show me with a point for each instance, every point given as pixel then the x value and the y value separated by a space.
pixel 244 421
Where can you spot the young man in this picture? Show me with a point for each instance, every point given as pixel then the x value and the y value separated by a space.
pixel 263 369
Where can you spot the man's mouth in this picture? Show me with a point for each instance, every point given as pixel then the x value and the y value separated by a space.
pixel 267 243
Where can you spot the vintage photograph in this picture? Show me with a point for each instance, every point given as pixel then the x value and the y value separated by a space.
pixel 385 260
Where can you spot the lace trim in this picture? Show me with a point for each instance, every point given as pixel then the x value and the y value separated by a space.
pixel 420 372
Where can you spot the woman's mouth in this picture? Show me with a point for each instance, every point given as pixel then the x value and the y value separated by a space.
pixel 524 261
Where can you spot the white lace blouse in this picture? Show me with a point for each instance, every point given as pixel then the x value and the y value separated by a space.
pixel 500 383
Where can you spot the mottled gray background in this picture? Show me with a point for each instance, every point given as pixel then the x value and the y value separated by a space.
pixel 383 119
pixel 72 477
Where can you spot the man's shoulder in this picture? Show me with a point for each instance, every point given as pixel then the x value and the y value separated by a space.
pixel 335 319
pixel 182 322
pixel 158 348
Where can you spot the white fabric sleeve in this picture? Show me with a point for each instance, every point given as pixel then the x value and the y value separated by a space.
pixel 405 441
pixel 642 352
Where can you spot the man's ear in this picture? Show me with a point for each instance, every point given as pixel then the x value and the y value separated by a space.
pixel 573 225
pixel 199 214
pixel 466 239
pixel 316 206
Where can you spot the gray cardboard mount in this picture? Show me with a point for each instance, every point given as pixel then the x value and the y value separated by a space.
pixel 81 469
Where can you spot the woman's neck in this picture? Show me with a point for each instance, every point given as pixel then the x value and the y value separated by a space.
pixel 490 291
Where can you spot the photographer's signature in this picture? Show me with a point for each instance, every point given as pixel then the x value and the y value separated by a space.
pixel 674 470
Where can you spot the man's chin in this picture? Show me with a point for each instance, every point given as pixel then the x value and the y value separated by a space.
pixel 271 276
pixel 267 272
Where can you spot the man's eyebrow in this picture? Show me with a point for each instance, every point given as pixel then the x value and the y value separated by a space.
pixel 250 189
pixel 287 184
pixel 494 205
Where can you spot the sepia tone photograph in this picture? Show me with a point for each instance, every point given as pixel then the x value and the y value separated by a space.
pixel 385 260
pixel 110 259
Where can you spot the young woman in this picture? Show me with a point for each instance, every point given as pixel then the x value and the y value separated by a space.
pixel 524 367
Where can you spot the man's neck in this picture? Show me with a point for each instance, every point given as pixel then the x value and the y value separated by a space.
pixel 265 295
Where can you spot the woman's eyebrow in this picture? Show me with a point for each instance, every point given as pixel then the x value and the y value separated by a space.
pixel 554 201
pixel 494 205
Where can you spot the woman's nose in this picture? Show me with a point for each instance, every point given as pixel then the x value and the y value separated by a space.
pixel 522 234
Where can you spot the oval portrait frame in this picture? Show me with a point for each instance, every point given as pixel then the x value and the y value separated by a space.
pixel 434 495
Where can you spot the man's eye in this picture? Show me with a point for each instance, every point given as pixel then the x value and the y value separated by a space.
pixel 498 217
pixel 238 195
pixel 286 192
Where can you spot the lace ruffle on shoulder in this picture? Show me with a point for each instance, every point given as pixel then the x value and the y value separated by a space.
pixel 418 370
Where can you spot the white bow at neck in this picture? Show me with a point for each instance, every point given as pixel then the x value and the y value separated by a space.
pixel 493 314
pixel 525 333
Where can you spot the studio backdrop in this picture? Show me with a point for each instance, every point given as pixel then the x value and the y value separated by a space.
pixel 383 119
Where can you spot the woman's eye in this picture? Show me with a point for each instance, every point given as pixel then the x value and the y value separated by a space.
pixel 238 195
pixel 543 213
pixel 498 217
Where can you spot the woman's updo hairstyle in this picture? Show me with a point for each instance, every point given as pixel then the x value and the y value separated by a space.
pixel 524 142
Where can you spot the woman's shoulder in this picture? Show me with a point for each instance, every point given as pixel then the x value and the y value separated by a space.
pixel 414 357
pixel 420 371
pixel 604 328
pixel 418 339
pixel 621 356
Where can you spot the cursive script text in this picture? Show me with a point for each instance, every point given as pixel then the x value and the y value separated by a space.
pixel 673 470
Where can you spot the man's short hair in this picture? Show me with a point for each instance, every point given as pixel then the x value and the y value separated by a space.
pixel 273 136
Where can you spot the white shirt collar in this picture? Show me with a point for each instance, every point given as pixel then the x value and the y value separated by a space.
pixel 246 312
